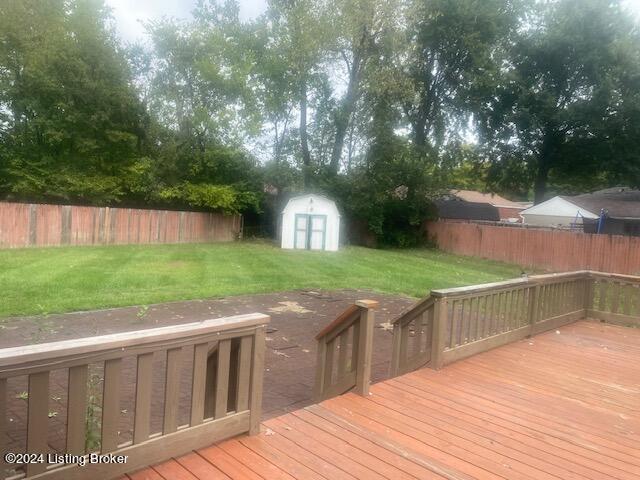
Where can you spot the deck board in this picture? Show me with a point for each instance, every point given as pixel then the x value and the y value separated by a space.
pixel 562 405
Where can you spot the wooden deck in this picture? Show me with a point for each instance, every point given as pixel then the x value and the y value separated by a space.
pixel 562 405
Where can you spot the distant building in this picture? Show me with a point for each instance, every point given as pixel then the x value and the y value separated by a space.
pixel 614 211
pixel 472 205
pixel 508 211
pixel 456 209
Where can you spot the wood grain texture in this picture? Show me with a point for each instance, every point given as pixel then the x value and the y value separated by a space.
pixel 37 419
pixel 550 408
pixel 77 409
pixel 111 405
pixel 144 379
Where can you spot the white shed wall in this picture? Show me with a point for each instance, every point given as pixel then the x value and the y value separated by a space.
pixel 549 220
pixel 312 205
pixel 555 211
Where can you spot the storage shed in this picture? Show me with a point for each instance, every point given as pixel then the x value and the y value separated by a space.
pixel 310 222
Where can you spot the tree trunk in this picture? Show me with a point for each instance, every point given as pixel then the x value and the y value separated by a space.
pixel 304 140
pixel 344 113
pixel 545 162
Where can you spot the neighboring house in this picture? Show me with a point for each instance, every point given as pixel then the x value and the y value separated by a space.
pixel 508 211
pixel 456 209
pixel 619 208
pixel 472 205
pixel 310 222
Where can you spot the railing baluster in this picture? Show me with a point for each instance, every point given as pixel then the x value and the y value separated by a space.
pixel 342 353
pixel 244 374
pixel 111 405
pixel 355 345
pixel 603 295
pixel 222 377
pixel 198 383
pixel 626 297
pixel 615 296
pixel 37 419
pixel 467 310
pixel 172 391
pixel 455 321
pixel 329 362
pixel 77 409
pixel 144 378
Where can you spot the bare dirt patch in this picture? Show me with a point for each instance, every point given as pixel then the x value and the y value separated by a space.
pixel 290 361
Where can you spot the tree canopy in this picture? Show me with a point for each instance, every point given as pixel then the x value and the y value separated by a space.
pixel 381 103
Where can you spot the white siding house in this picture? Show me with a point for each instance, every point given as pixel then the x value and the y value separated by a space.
pixel 310 222
pixel 557 211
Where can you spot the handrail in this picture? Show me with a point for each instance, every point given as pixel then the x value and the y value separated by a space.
pixel 344 352
pixel 235 395
pixel 17 360
pixel 485 287
pixel 345 319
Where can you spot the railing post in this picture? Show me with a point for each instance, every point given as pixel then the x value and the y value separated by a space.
pixel 365 345
pixel 438 340
pixel 257 376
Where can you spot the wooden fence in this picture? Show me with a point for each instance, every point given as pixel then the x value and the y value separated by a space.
pixel 26 225
pixel 553 250
pixel 456 323
pixel 236 396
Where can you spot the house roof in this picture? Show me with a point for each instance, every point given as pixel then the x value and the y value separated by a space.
pixel 558 207
pixel 461 210
pixel 490 198
pixel 620 202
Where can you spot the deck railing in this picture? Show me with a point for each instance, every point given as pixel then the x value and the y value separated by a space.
pixel 344 352
pixel 456 323
pixel 615 298
pixel 235 395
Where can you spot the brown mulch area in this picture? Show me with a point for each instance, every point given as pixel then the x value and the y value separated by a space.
pixel 290 361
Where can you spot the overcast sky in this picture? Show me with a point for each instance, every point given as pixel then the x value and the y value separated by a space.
pixel 130 13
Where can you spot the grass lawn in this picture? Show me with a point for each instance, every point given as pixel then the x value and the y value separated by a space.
pixel 52 280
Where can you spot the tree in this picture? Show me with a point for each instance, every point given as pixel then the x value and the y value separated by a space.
pixel 565 103
pixel 71 121
pixel 201 96
pixel 450 61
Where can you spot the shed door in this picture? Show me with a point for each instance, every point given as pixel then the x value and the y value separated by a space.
pixel 310 231
pixel 316 236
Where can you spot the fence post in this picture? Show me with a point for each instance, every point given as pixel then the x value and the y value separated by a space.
pixel 365 345
pixel 257 377
pixel 438 342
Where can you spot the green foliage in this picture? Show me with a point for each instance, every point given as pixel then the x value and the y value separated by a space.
pixel 383 104
pixel 71 120
pixel 214 197
pixel 567 103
